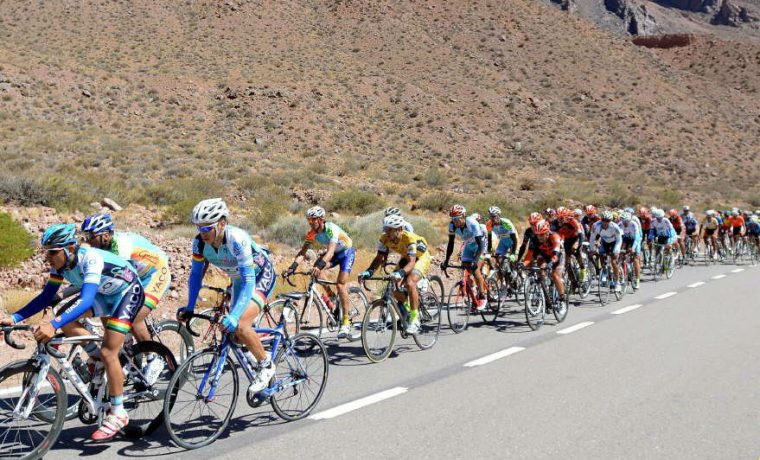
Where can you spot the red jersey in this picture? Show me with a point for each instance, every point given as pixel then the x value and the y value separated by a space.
pixel 571 229
pixel 677 223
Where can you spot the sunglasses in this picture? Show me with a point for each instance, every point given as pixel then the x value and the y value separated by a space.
pixel 207 228
pixel 454 219
pixel 52 251
pixel 311 220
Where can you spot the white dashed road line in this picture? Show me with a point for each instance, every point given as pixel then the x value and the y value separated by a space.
pixel 626 309
pixel 698 283
pixel 717 277
pixel 359 403
pixel 666 295
pixel 494 356
pixel 577 327
pixel 738 270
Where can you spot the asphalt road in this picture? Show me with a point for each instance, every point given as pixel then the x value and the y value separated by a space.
pixel 674 378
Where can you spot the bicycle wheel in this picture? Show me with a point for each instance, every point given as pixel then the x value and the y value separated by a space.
pixel 312 317
pixel 458 308
pixel 535 304
pixel 491 312
pixel 191 419
pixel 358 308
pixel 430 321
pixel 280 310
pixel 174 336
pixel 209 332
pixel 603 286
pixel 300 377
pixel 670 266
pixel 517 284
pixel 559 309
pixel 379 330
pixel 144 399
pixel 436 285
pixel 658 269
pixel 30 437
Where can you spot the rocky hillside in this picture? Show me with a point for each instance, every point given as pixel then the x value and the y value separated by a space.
pixel 401 98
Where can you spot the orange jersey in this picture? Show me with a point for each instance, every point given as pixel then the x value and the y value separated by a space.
pixel 736 221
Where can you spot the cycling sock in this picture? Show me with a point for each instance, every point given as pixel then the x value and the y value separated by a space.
pixel 117 405
pixel 413 316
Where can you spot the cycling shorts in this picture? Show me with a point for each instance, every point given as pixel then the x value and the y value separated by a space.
pixel 468 254
pixel 421 266
pixel 345 259
pixel 709 232
pixel 505 245
pixel 630 243
pixel 156 285
pixel 606 248
pixel 662 240
pixel 124 310
pixel 737 231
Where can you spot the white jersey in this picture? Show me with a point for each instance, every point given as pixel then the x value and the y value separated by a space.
pixel 612 234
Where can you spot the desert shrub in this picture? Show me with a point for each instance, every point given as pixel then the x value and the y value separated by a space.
pixel 16 244
pixel 439 201
pixel 23 191
pixel 288 230
pixel 354 201
pixel 178 196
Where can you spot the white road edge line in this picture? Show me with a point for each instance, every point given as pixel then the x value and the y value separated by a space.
pixel 697 284
pixel 717 277
pixel 494 356
pixel 627 309
pixel 577 327
pixel 359 403
pixel 738 270
pixel 666 295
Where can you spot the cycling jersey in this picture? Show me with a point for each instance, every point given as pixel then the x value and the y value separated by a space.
pixel 330 234
pixel 710 223
pixel 677 223
pixel 736 221
pixel 150 262
pixel 589 221
pixel 611 234
pixel 663 228
pixel 548 250
pixel 571 229
pixel 470 233
pixel 753 228
pixel 408 245
pixel 115 287
pixel 690 222
pixel 646 224
pixel 506 233
pixel 632 235
pixel 245 262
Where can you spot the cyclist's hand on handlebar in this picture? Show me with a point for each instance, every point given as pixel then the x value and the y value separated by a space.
pixel 183 313
pixel 365 274
pixel 229 323
pixel 315 272
pixel 444 265
pixel 399 275
pixel 6 322
pixel 43 333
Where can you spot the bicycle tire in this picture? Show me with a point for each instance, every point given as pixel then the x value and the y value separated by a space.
pixel 491 313
pixel 671 268
pixel 535 304
pixel 380 325
pixel 149 404
pixel 559 309
pixel 518 282
pixel 436 285
pixel 270 317
pixel 40 447
pixel 291 375
pixel 359 305
pixel 176 397
pixel 603 286
pixel 307 311
pixel 458 308
pixel 430 321
pixel 186 345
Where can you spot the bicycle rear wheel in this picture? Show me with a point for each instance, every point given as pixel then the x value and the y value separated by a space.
pixel 143 399
pixel 535 304
pixel 436 285
pixel 458 308
pixel 491 313
pixel 31 437
pixel 430 321
pixel 357 309
pixel 379 330
pixel 174 336
pixel 191 420
pixel 559 309
pixel 300 377
pixel 312 316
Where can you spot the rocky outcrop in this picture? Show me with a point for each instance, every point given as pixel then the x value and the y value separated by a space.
pixel 635 16
pixel 732 15
pixel 697 6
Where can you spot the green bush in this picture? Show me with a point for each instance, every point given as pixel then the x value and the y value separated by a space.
pixel 288 230
pixel 23 191
pixel 354 201
pixel 179 196
pixel 269 204
pixel 16 244
pixel 436 201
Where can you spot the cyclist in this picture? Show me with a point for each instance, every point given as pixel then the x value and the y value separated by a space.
pixel 340 251
pixel 737 225
pixel 550 215
pixel 691 225
pixel 533 219
pixel 611 237
pixel 109 289
pixel 506 232
pixel 471 233
pixel 632 236
pixel 252 274
pixel 707 229
pixel 413 266
pixel 572 233
pixel 397 212
pixel 150 262
pixel 546 247
pixel 678 226
pixel 661 230
pixel 753 230
pixel 589 219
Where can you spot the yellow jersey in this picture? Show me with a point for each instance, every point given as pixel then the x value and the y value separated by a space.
pixel 409 244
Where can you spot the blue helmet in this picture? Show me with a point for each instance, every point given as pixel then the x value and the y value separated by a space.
pixel 98 223
pixel 59 235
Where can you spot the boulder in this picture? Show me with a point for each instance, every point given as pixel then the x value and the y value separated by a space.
pixel 111 204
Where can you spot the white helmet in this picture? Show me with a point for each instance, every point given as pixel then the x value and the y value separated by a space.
pixel 710 212
pixel 209 211
pixel 686 208
pixel 625 215
pixel 315 212
pixel 494 211
pixel 393 221
pixel 392 212
pixel 658 213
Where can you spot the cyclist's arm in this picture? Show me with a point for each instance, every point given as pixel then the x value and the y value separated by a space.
pixel 379 257
pixel 490 245
pixel 327 257
pixel 38 303
pixel 449 248
pixel 513 237
pixel 197 270
pixel 618 240
pixel 412 258
pixel 86 299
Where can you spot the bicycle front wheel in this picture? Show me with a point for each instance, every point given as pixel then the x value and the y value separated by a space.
pixel 436 285
pixel 535 304
pixel 379 330
pixel 356 310
pixel 176 338
pixel 30 437
pixel 458 308
pixel 430 321
pixel 192 418
pixel 300 377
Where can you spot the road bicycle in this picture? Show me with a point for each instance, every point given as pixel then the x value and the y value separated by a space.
pixel 510 281
pixel 202 395
pixel 540 295
pixel 605 284
pixel 315 313
pixel 573 274
pixel 385 318
pixel 664 261
pixel 462 299
pixel 34 398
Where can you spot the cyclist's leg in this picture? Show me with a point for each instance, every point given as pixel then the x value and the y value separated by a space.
pixel 557 275
pixel 155 288
pixel 346 261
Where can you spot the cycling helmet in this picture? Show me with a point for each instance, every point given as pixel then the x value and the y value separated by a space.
pixel 590 210
pixel 629 210
pixel 757 212
pixel 709 213
pixel 643 212
pixel 316 212
pixel 577 213
pixel 534 218
pixel 542 228
pixel 564 214
pixel 457 211
pixel 615 216
pixel 735 212
pixel 658 213
pixel 393 221
pixel 626 216
pixel 561 210
pixel 98 223
pixel 673 212
pixel 686 208
pixel 476 216
pixel 607 216
pixel 392 212
pixel 550 212
pixel 754 219
pixel 209 211
pixel 494 211
pixel 59 235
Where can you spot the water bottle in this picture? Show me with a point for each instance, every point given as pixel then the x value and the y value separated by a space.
pixel 252 362
pixel 328 302
pixel 81 368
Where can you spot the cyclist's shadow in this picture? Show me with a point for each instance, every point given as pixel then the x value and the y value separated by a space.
pixel 348 354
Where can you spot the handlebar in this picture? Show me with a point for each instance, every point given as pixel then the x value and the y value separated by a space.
pixel 8 330
pixel 287 276
pixel 376 278
pixel 217 289
pixel 456 267
pixel 189 316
